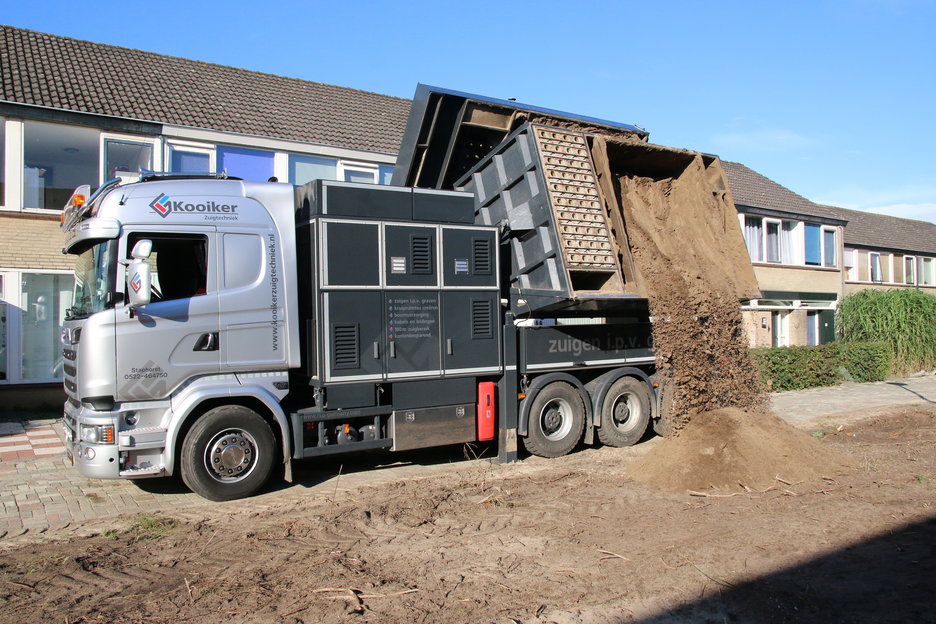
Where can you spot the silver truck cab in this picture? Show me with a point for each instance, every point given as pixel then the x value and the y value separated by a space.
pixel 184 302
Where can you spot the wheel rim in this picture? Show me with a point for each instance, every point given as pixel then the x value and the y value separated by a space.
pixel 625 412
pixel 231 455
pixel 556 419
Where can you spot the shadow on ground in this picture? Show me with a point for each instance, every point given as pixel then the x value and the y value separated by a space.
pixel 889 578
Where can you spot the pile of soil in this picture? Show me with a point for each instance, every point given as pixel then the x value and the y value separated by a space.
pixel 731 449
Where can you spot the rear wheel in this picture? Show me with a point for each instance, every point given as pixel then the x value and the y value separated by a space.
pixel 625 412
pixel 228 453
pixel 556 421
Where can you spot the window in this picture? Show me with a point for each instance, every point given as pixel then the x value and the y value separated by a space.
pixel 773 241
pixel 32 308
pixel 178 264
pixel 385 173
pixel 353 174
pixel 850 259
pixel 56 159
pixel 304 169
pixel 880 266
pixel 828 247
pixel 191 159
pixel 909 263
pixel 126 159
pixel 753 237
pixel 813 244
pixel 820 245
pixel 927 269
pixel 249 164
pixel 875 260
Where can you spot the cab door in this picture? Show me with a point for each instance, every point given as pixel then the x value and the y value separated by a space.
pixel 176 336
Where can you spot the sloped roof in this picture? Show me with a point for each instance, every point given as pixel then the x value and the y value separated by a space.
pixel 869 229
pixel 64 73
pixel 864 229
pixel 752 189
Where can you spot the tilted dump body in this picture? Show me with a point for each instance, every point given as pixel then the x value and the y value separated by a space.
pixel 554 182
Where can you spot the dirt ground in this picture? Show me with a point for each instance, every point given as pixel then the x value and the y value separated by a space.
pixel 574 539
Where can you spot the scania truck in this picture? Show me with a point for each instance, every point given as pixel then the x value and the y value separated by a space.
pixel 222 329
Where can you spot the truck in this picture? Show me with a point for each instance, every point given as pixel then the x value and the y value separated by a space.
pixel 222 328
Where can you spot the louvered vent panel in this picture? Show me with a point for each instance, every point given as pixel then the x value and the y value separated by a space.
pixel 422 255
pixel 482 318
pixel 481 251
pixel 346 346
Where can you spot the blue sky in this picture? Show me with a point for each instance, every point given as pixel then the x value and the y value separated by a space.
pixel 835 99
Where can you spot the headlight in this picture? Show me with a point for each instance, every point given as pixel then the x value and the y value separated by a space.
pixel 97 434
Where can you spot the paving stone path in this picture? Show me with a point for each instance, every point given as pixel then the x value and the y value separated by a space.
pixel 40 490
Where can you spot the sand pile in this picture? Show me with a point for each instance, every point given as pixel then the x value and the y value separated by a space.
pixel 729 449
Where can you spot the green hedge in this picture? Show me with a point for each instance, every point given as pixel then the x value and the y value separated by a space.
pixel 797 368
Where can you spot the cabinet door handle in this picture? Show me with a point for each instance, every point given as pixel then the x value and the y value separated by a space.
pixel 448 346
pixel 376 350
pixel 393 348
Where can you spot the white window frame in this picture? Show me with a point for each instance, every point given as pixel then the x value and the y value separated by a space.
pixel 11 295
pixel 765 223
pixel 927 272
pixel 911 279
pixel 358 167
pixel 191 147
pixel 833 253
pixel 153 142
pixel 872 256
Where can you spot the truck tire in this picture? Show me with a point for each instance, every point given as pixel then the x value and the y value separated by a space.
pixel 625 412
pixel 228 453
pixel 556 420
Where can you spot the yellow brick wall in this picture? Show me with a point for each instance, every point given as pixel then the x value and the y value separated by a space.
pixel 32 242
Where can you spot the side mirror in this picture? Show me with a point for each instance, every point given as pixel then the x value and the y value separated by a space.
pixel 139 283
pixel 138 273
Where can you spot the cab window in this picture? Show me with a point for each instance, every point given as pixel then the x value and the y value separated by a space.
pixel 178 264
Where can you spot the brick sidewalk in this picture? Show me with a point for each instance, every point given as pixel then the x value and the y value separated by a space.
pixel 29 439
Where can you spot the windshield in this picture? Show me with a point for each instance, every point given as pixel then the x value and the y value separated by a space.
pixel 94 279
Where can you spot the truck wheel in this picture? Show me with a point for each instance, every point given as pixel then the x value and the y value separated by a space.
pixel 228 453
pixel 625 412
pixel 557 418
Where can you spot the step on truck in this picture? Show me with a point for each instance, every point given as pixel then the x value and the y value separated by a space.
pixel 222 329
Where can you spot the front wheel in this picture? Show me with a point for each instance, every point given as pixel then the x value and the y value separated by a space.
pixel 625 412
pixel 228 453
pixel 556 421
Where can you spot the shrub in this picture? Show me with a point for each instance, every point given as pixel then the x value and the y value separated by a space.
pixel 905 319
pixel 797 368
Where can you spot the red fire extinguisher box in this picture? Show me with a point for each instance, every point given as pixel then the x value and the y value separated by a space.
pixel 486 411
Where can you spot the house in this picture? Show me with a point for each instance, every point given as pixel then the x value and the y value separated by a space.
pixel 75 112
pixel 796 249
pixel 807 256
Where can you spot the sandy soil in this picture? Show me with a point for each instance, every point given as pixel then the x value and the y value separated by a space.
pixel 574 539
